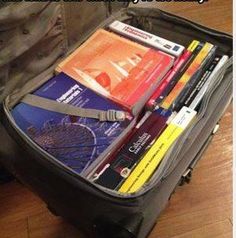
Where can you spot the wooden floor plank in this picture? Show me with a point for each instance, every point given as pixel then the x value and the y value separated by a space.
pixel 221 229
pixel 45 225
pixel 17 202
pixel 191 220
pixel 215 14
pixel 14 229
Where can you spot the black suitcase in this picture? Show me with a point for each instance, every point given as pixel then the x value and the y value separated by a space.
pixel 5 176
pixel 43 34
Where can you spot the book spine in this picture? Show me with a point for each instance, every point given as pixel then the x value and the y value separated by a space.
pixel 145 168
pixel 177 77
pixel 147 38
pixel 192 69
pixel 198 95
pixel 201 82
pixel 191 84
pixel 113 173
pixel 171 77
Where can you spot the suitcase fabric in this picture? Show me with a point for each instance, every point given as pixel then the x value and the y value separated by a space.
pixel 98 212
pixel 5 176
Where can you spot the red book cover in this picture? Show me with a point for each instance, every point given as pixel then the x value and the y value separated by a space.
pixel 116 67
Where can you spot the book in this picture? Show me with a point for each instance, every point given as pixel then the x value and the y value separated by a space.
pixel 147 38
pixel 117 68
pixel 195 66
pixel 115 169
pixel 194 80
pixel 149 163
pixel 197 95
pixel 76 142
pixel 173 75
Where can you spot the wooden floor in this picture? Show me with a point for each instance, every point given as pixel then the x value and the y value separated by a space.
pixel 201 209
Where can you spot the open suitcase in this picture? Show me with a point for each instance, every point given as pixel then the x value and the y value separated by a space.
pixel 34 37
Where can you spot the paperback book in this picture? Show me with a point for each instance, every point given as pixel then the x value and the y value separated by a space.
pixel 172 77
pixel 151 160
pixel 193 70
pixel 74 141
pixel 147 38
pixel 116 169
pixel 197 95
pixel 117 68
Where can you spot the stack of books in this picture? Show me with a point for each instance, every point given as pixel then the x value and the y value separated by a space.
pixel 155 84
pixel 170 110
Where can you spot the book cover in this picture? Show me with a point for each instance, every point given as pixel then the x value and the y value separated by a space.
pixel 147 38
pixel 74 141
pixel 149 163
pixel 114 170
pixel 117 68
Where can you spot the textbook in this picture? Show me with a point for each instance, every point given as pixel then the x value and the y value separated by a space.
pixel 149 163
pixel 74 141
pixel 115 170
pixel 196 66
pixel 207 79
pixel 172 77
pixel 117 68
pixel 147 38
pixel 194 80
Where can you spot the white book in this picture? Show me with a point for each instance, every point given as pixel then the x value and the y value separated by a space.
pixel 147 38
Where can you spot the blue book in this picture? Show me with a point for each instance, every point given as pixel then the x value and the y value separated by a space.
pixel 75 141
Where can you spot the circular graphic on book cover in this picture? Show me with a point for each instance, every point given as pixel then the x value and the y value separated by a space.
pixel 75 144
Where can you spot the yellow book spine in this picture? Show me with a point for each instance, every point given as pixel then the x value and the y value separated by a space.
pixel 193 45
pixel 143 171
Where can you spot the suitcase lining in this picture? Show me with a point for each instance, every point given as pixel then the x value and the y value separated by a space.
pixel 153 22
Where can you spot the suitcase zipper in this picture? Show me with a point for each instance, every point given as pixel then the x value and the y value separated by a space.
pixel 164 171
pixel 171 167
pixel 125 15
pixel 167 16
pixel 198 26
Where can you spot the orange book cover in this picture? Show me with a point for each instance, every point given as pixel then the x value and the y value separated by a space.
pixel 115 67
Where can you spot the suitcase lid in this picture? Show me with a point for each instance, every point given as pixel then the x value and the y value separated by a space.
pixel 33 36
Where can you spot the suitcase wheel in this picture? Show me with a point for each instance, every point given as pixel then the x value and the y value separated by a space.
pixel 125 228
pixel 186 178
pixel 53 211
pixel 5 177
pixel 111 230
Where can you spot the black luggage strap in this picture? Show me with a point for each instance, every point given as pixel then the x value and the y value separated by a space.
pixel 51 105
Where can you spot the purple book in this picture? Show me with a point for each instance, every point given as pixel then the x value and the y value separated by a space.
pixel 75 141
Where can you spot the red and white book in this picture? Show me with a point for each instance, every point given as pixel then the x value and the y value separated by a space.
pixel 117 68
